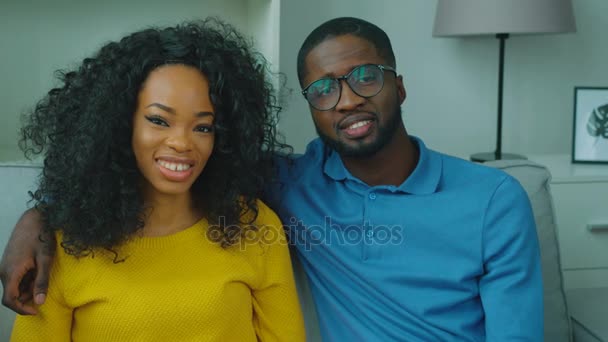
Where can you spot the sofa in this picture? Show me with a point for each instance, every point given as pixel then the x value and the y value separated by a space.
pixel 17 178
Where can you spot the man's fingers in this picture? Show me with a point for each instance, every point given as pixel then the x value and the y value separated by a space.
pixel 44 261
pixel 26 286
pixel 21 308
pixel 12 297
pixel 24 308
pixel 20 258
pixel 41 282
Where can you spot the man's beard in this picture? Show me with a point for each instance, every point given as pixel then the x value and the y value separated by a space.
pixel 384 135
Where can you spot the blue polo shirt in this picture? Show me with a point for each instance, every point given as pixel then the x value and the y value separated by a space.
pixel 449 255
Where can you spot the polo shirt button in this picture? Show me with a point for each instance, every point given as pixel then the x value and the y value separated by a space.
pixel 372 195
pixel 370 233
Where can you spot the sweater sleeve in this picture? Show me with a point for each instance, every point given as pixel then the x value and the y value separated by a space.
pixel 54 319
pixel 511 288
pixel 277 313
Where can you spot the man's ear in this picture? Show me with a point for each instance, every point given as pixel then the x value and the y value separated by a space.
pixel 400 89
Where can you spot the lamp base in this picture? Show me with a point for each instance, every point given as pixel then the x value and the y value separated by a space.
pixel 490 156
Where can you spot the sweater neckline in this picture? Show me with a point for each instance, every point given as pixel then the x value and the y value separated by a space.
pixel 178 238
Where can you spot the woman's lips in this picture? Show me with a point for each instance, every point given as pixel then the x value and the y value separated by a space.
pixel 173 170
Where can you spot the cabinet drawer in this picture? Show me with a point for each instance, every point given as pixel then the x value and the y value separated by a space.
pixel 576 206
pixel 592 278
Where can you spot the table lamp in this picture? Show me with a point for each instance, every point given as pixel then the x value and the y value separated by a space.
pixel 502 18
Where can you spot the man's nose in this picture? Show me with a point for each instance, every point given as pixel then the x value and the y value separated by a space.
pixel 349 100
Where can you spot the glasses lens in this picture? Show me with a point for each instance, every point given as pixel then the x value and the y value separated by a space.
pixel 366 80
pixel 323 94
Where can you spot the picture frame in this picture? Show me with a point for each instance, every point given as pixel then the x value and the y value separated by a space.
pixel 590 127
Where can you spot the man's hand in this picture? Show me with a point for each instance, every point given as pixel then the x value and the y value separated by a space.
pixel 25 265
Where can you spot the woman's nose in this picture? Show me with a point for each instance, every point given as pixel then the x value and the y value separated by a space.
pixel 180 141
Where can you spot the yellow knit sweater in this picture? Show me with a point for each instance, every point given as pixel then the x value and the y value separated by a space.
pixel 181 287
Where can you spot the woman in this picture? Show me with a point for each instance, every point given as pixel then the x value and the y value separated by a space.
pixel 156 150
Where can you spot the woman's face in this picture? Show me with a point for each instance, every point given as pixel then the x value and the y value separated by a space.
pixel 173 129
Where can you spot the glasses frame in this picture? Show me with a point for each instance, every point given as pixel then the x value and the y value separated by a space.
pixel 344 78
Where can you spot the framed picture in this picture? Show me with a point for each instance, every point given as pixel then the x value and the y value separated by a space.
pixel 590 137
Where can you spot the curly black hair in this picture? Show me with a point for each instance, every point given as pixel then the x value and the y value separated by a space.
pixel 89 185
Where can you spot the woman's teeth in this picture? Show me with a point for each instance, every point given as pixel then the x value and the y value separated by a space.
pixel 174 166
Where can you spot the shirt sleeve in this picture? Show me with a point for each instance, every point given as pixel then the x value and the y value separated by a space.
pixel 511 288
pixel 277 313
pixel 54 319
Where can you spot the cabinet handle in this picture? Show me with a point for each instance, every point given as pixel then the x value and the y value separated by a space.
pixel 597 227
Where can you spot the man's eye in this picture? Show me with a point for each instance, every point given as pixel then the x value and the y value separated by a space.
pixel 324 88
pixel 366 77
pixel 321 91
pixel 157 121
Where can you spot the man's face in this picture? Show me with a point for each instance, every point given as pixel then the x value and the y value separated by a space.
pixel 356 127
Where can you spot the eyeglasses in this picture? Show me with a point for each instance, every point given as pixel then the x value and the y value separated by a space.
pixel 366 80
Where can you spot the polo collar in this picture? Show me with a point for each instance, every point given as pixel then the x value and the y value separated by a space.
pixel 424 179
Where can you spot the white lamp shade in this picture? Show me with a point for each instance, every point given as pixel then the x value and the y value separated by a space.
pixel 482 17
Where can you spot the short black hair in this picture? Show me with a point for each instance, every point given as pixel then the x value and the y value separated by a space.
pixel 345 26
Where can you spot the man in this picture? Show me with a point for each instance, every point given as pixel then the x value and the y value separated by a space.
pixel 398 242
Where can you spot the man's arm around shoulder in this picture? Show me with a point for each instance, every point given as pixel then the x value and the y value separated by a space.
pixel 25 265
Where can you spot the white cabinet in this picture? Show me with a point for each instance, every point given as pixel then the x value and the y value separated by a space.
pixel 589 311
pixel 580 196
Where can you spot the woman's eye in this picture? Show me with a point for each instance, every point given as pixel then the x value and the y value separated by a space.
pixel 157 121
pixel 204 129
